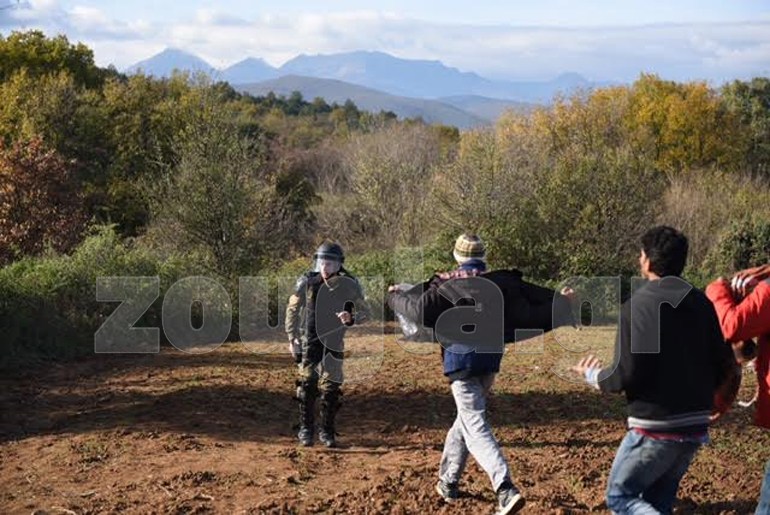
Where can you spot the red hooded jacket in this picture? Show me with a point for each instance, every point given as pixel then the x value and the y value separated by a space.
pixel 748 319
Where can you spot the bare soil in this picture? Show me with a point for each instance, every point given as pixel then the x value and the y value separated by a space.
pixel 214 432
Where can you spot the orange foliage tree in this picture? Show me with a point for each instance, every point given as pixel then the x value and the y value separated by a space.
pixel 40 204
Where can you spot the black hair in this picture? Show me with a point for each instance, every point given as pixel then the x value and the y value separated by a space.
pixel 666 248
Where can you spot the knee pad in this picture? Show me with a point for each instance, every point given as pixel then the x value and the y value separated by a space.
pixel 307 390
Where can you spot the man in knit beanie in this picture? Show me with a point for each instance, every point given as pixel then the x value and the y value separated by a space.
pixel 471 374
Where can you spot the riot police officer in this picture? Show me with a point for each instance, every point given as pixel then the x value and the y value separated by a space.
pixel 326 301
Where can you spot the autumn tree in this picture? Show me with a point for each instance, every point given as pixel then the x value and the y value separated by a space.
pixel 557 192
pixel 750 101
pixel 220 196
pixel 683 126
pixel 391 174
pixel 142 125
pixel 40 203
pixel 41 55
pixel 484 191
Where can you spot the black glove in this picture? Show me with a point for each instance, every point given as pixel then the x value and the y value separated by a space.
pixel 295 346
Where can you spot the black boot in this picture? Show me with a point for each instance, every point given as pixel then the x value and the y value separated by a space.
pixel 305 436
pixel 330 403
pixel 307 394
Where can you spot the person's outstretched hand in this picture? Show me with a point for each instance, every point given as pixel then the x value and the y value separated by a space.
pixel 586 363
pixel 744 281
pixel 345 317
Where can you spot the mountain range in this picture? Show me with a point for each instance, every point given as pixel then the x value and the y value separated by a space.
pixel 378 81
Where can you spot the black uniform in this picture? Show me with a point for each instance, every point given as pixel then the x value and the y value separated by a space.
pixel 321 333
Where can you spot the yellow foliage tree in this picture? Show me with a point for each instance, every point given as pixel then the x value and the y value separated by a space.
pixel 683 126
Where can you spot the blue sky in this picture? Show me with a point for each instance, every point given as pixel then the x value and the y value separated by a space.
pixel 601 39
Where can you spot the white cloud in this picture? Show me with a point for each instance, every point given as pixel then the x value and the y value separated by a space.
pixel 214 17
pixel 43 5
pixel 677 51
pixel 29 12
pixel 88 16
pixel 95 24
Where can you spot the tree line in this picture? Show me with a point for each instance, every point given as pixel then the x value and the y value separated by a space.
pixel 115 174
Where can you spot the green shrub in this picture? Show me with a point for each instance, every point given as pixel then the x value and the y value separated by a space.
pixel 48 305
pixel 742 244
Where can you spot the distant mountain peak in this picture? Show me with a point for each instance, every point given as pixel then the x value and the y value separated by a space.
pixel 249 70
pixel 175 50
pixel 165 62
pixel 253 60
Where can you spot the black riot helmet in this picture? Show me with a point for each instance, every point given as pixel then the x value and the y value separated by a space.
pixel 329 251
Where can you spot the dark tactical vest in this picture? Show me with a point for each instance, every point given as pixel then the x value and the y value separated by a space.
pixel 323 300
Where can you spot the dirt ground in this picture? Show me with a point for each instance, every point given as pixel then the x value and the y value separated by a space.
pixel 214 432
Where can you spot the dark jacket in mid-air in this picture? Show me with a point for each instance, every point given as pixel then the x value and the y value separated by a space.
pixel 526 310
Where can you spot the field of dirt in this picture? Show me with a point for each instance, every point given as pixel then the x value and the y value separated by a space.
pixel 214 432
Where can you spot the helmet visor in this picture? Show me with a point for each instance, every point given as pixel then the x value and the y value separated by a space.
pixel 326 266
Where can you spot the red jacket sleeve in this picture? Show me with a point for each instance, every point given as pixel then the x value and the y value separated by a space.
pixel 749 319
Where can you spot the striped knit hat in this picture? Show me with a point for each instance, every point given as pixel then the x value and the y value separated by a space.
pixel 469 246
